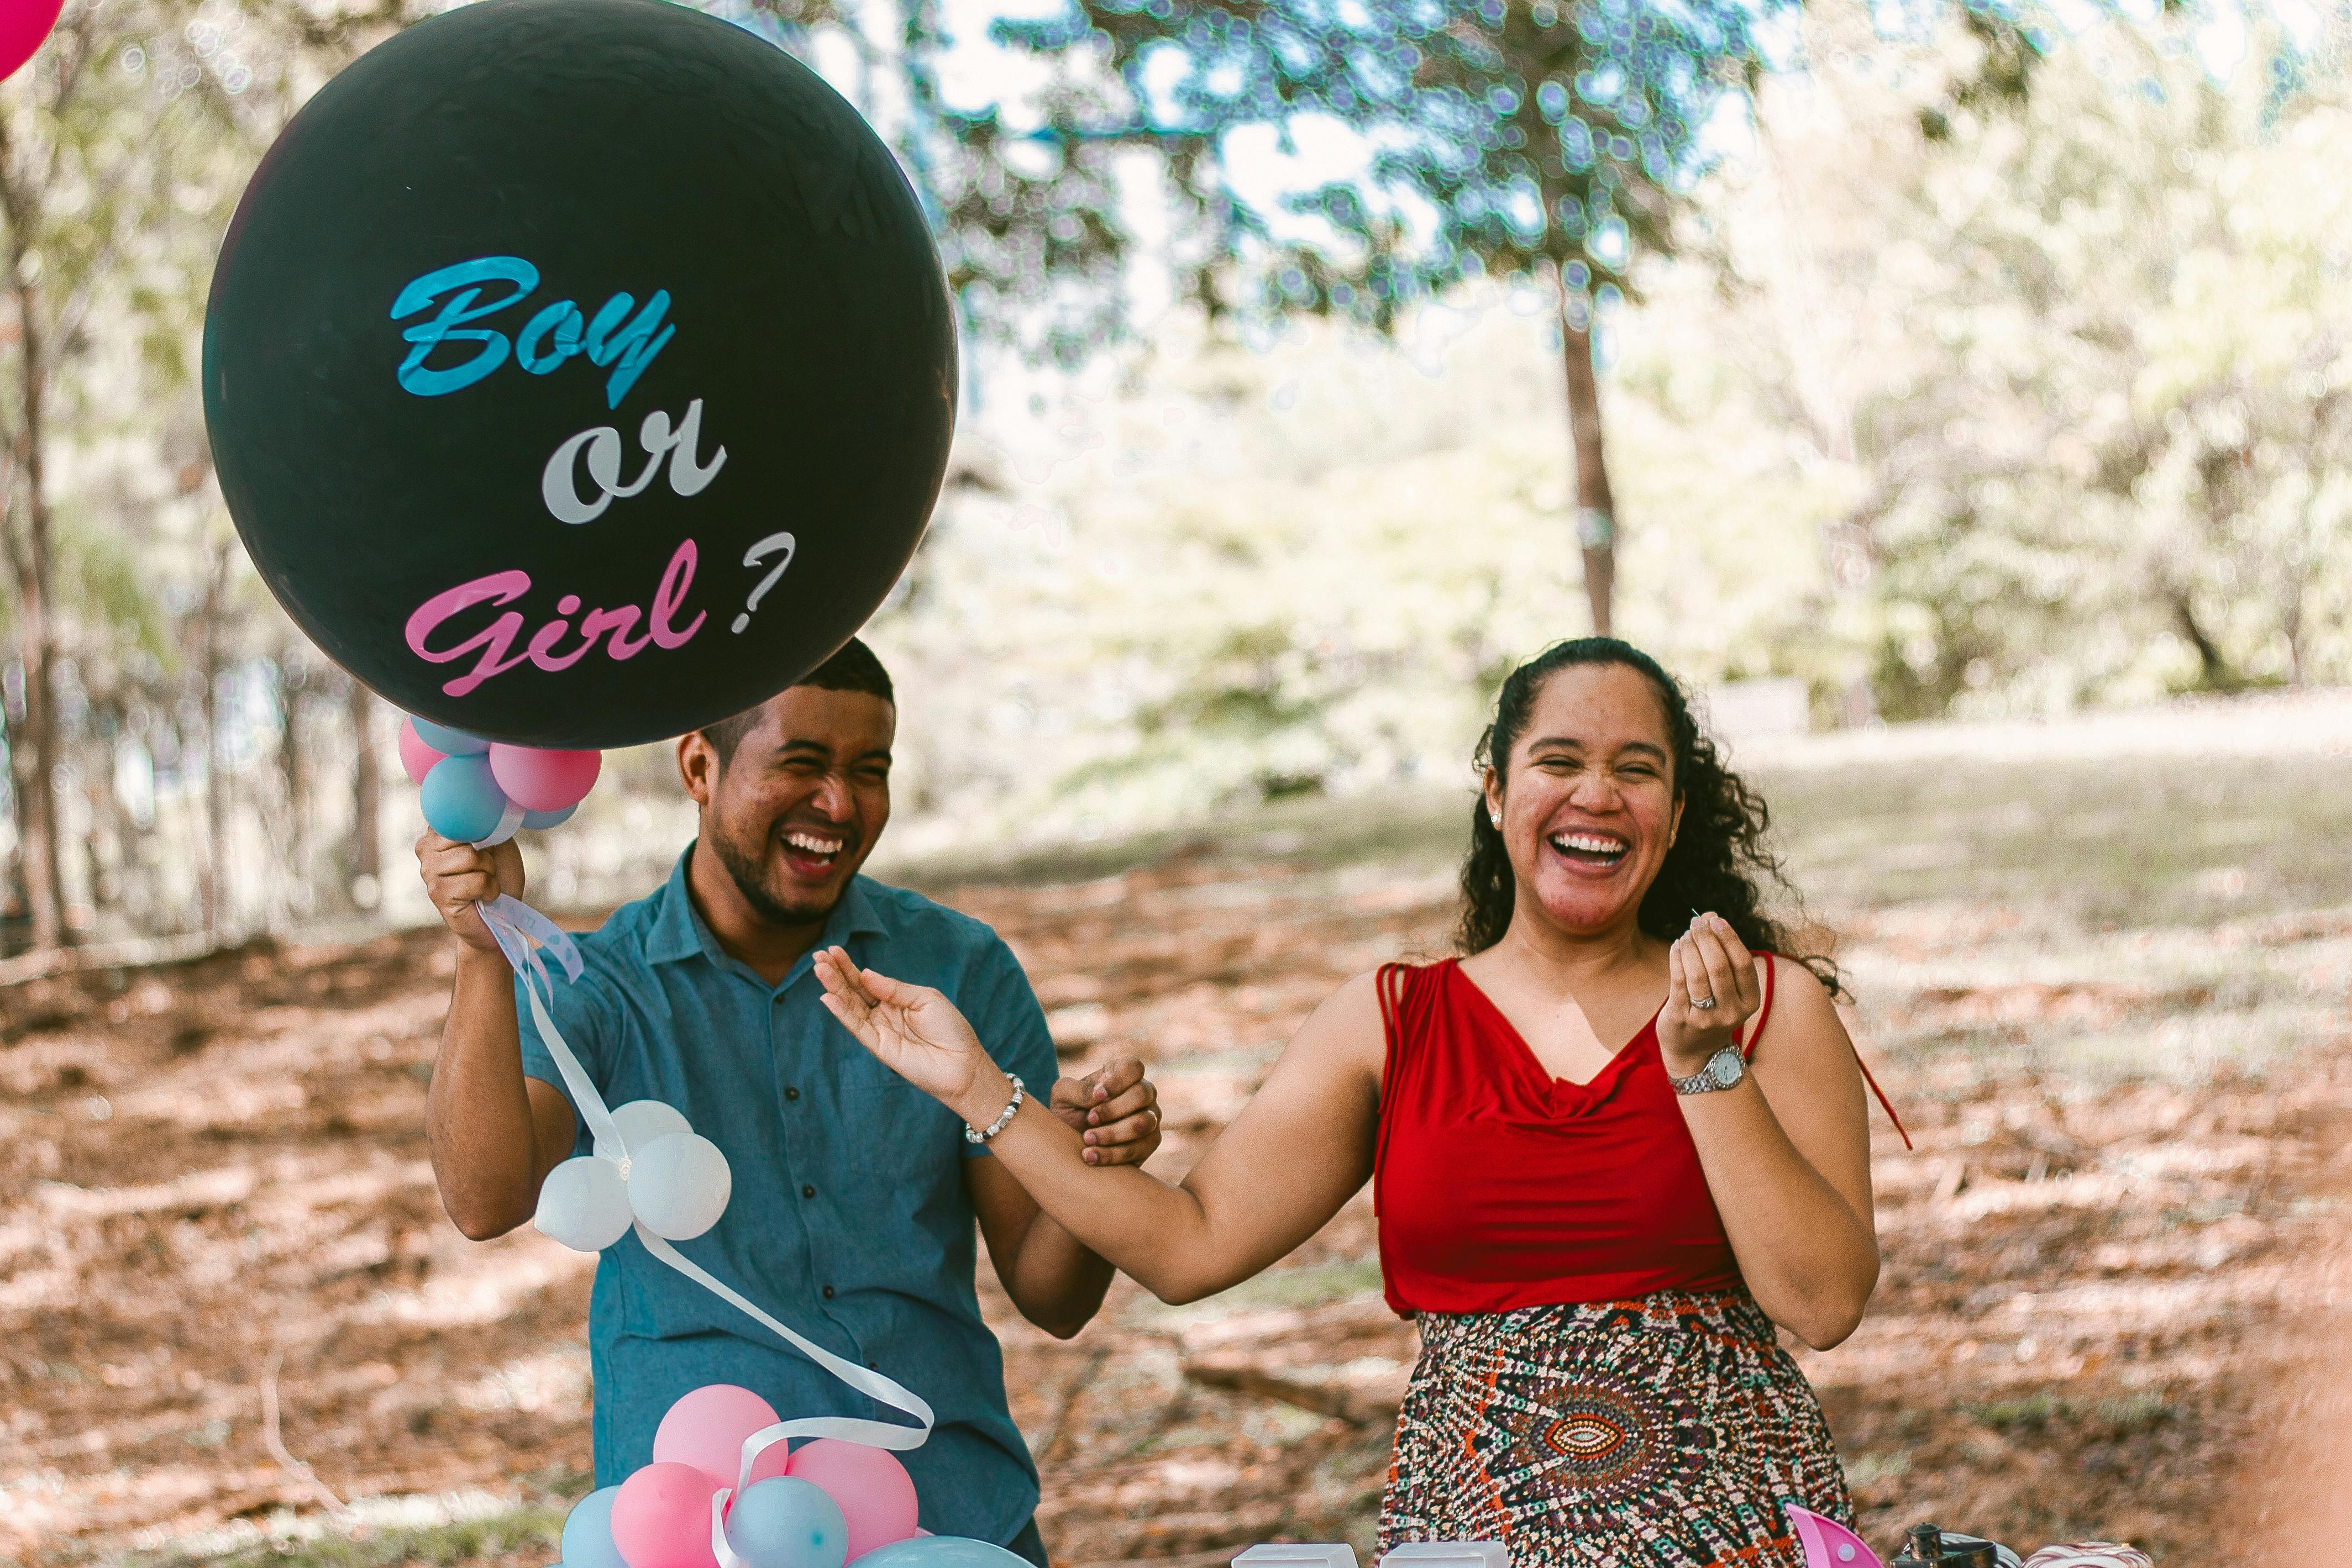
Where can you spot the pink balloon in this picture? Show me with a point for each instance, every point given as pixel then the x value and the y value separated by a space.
pixel 417 758
pixel 706 1427
pixel 24 26
pixel 876 1493
pixel 543 780
pixel 661 1518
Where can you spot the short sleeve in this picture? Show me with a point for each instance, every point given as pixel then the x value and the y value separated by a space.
pixel 582 1023
pixel 1004 1011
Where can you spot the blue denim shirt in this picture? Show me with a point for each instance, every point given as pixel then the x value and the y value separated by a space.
pixel 849 1219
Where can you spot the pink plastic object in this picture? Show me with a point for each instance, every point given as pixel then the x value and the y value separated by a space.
pixel 24 27
pixel 1827 1544
pixel 876 1493
pixel 543 780
pixel 661 1518
pixel 706 1428
pixel 417 758
pixel 2089 1554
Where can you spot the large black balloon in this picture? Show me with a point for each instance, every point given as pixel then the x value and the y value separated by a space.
pixel 389 431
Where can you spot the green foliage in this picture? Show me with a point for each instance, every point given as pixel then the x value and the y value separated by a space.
pixel 2083 363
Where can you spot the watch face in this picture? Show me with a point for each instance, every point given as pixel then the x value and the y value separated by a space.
pixel 1725 1068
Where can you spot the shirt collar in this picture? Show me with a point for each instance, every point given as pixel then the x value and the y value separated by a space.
pixel 679 932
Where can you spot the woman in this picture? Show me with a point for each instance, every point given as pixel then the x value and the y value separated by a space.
pixel 1597 1237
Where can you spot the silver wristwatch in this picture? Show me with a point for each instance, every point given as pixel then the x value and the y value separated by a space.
pixel 1724 1070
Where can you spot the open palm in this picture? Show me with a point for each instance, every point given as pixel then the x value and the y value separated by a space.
pixel 914 1031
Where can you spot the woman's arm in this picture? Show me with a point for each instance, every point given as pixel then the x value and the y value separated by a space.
pixel 1786 1153
pixel 1299 1149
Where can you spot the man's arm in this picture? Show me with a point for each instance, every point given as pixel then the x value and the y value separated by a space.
pixel 493 1134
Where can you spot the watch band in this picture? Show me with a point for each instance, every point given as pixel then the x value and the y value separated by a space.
pixel 1717 1073
pixel 974 1135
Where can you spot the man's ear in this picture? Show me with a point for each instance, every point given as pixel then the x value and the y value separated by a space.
pixel 699 766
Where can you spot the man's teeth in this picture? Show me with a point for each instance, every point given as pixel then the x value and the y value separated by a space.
pixel 812 844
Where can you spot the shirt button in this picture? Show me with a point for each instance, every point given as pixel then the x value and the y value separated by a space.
pixel 808 1192
pixel 792 1094
pixel 829 1292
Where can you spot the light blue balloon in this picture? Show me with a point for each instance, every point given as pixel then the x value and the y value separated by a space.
pixel 588 1532
pixel 940 1552
pixel 786 1523
pixel 462 801
pixel 451 743
pixel 540 821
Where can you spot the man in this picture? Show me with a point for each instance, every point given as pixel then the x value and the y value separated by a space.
pixel 854 1194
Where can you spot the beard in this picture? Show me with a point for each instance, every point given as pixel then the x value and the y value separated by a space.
pixel 748 869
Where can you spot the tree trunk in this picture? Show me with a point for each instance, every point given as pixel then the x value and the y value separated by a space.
pixel 1596 508
pixel 366 858
pixel 294 762
pixel 34 760
pixel 2212 665
pixel 215 884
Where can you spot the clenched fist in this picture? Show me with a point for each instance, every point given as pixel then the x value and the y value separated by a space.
pixel 458 877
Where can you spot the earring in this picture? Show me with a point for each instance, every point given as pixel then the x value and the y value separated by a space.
pixel 1495 818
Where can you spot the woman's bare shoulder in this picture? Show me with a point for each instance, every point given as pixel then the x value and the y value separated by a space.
pixel 1804 1027
pixel 1347 1032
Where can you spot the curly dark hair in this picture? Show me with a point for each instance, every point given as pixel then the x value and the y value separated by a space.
pixel 1720 861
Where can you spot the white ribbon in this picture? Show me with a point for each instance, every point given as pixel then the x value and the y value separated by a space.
pixel 522 933
pixel 510 824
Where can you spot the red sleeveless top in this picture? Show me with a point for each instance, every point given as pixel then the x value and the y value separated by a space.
pixel 1497 1185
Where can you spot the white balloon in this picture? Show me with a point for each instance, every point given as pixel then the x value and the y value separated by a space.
pixel 640 1123
pixel 678 1185
pixel 585 1204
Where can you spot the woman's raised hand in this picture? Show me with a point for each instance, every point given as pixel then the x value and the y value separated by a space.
pixel 1708 964
pixel 915 1030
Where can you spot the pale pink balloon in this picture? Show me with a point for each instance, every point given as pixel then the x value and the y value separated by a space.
pixel 543 780
pixel 24 26
pixel 661 1518
pixel 417 758
pixel 706 1427
pixel 875 1494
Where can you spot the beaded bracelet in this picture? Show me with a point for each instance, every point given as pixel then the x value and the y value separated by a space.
pixel 974 1135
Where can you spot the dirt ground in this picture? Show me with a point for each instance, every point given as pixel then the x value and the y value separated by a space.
pixel 2107 1258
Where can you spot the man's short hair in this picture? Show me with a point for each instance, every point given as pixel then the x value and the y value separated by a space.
pixel 852 669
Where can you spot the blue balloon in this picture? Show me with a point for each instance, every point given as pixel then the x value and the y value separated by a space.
pixel 786 1523
pixel 462 801
pixel 451 743
pixel 540 821
pixel 588 1532
pixel 940 1552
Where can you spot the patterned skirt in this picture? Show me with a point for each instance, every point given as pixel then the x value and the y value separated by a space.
pixel 1666 1432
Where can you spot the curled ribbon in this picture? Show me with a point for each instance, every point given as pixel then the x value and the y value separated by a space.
pixel 523 934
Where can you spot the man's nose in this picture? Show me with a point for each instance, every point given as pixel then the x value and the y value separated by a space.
pixel 833 797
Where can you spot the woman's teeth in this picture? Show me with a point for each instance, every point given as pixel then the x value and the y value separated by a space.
pixel 1591 848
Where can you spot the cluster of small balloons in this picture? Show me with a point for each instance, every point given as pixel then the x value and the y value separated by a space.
pixel 664 1176
pixel 828 1504
pixel 480 792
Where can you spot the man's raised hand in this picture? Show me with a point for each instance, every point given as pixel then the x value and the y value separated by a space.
pixel 458 877
pixel 1116 1109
